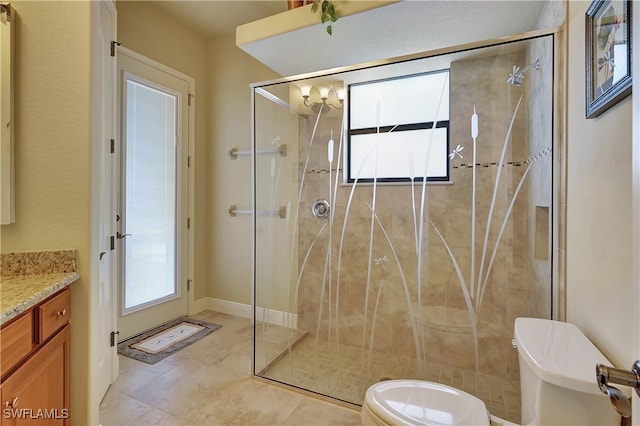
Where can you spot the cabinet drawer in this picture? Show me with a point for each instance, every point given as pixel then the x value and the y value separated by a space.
pixel 16 341
pixel 54 314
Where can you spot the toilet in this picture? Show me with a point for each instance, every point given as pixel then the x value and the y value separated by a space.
pixel 557 383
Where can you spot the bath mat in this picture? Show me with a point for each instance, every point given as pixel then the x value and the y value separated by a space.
pixel 158 343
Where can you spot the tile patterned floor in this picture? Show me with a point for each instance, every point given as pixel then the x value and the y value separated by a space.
pixel 209 383
pixel 313 364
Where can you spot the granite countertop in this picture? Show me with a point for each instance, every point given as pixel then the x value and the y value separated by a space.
pixel 27 278
pixel 19 294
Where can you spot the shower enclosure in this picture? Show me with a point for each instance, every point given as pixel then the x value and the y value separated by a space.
pixel 404 216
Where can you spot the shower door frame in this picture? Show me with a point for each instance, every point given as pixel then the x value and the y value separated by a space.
pixel 559 168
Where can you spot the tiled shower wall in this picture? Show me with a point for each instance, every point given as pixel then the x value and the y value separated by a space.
pixel 337 289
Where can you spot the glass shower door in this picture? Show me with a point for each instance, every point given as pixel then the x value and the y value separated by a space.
pixel 372 277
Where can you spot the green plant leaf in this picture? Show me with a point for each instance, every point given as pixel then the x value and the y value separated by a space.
pixel 327 14
pixel 332 13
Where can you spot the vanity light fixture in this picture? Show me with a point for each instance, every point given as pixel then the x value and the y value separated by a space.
pixel 325 94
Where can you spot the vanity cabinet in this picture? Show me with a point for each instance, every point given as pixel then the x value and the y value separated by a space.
pixel 35 387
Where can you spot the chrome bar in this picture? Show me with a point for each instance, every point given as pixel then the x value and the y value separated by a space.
pixel 281 212
pixel 617 376
pixel 281 150
pixel 606 375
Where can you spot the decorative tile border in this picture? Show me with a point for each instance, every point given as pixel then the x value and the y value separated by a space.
pixel 526 162
pixel 37 262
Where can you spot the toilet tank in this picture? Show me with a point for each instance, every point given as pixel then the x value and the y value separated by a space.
pixel 557 375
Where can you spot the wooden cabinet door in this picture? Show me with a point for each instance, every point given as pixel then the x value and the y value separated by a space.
pixel 17 341
pixel 38 393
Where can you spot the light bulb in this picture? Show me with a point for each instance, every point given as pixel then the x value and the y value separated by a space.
pixel 340 94
pixel 324 92
pixel 305 90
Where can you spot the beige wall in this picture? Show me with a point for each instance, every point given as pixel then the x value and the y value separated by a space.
pixel 148 31
pixel 598 279
pixel 229 251
pixel 52 157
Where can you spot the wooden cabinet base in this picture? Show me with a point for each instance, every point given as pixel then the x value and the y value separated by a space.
pixel 38 392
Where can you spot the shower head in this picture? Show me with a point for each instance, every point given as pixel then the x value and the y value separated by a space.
pixel 517 75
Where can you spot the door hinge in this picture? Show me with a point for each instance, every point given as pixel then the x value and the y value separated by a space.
pixel 112 242
pixel 113 337
pixel 188 285
pixel 113 146
pixel 6 8
pixel 188 223
pixel 189 97
pixel 189 161
pixel 113 47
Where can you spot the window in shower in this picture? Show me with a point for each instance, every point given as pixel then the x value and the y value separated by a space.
pixel 399 129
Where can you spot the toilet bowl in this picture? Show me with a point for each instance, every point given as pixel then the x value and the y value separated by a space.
pixel 416 402
pixel 557 383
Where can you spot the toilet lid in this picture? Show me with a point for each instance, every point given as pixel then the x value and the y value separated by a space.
pixel 415 402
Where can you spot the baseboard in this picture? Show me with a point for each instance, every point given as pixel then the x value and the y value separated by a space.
pixel 223 306
pixel 270 316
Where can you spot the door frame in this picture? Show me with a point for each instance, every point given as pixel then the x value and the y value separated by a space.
pixel 189 145
pixel 635 215
pixel 102 195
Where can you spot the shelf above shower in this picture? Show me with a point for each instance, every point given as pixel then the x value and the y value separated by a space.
pixel 294 42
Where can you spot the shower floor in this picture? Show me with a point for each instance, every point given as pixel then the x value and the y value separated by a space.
pixel 345 373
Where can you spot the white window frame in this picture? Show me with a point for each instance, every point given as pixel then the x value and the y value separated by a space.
pixel 386 131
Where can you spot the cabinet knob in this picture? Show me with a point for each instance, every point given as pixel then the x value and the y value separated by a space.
pixel 12 404
pixel 62 313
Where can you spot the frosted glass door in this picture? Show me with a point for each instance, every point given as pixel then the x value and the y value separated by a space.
pixel 154 193
pixel 149 196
